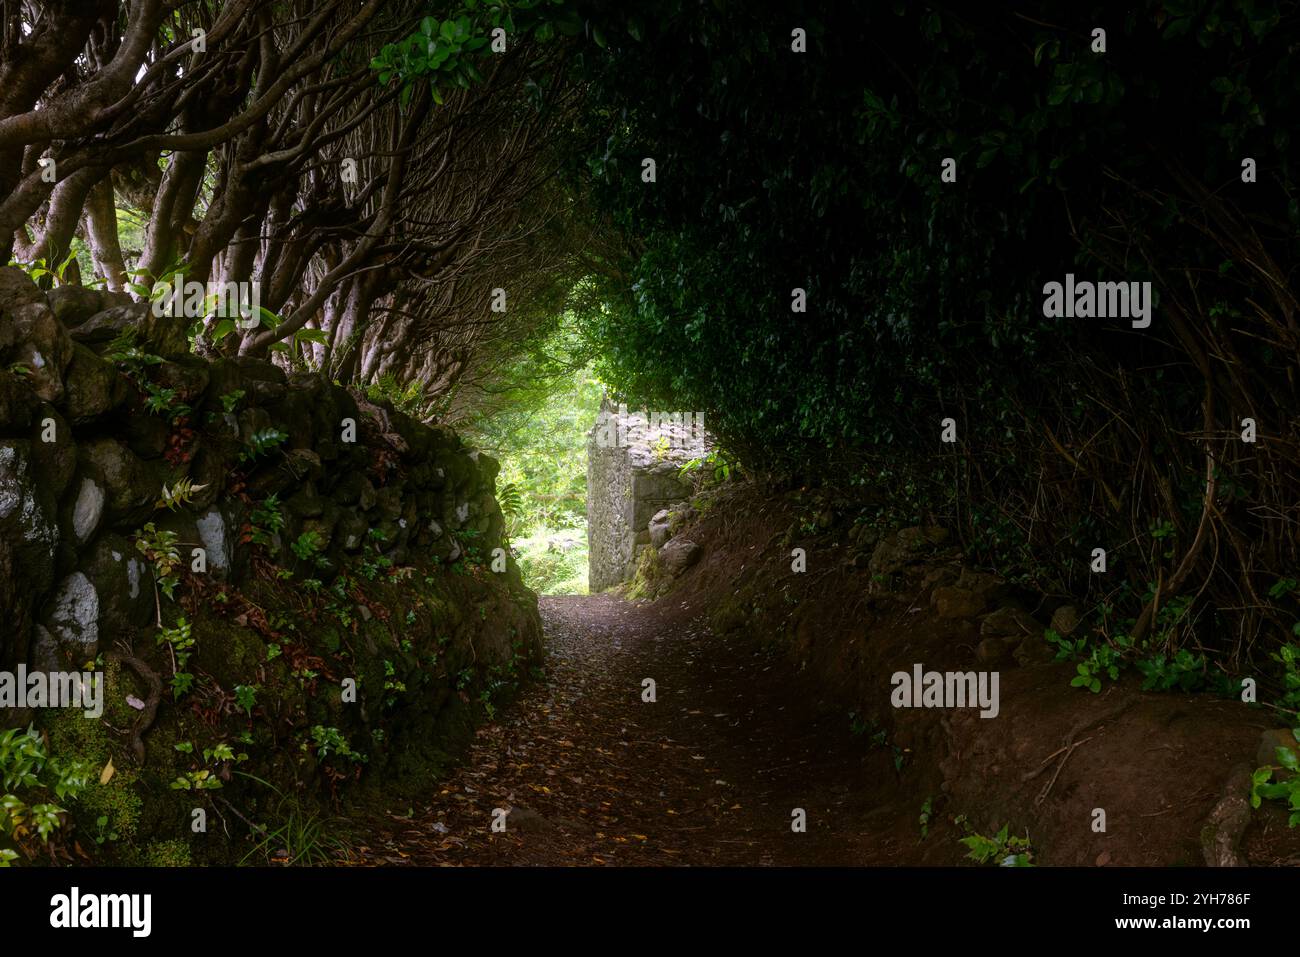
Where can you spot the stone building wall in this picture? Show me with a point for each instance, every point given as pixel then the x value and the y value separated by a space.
pixel 633 471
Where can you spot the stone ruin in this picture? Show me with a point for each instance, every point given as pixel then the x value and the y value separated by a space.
pixel 634 460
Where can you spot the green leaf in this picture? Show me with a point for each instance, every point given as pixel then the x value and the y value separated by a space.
pixel 1288 759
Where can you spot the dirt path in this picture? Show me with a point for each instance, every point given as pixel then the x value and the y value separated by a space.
pixel 708 774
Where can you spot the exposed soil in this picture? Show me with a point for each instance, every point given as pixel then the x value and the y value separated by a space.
pixel 708 774
pixel 788 707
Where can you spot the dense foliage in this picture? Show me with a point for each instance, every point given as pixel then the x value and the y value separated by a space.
pixel 386 174
pixel 534 416
pixel 821 171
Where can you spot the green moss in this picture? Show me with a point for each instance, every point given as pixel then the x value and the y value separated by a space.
pixel 73 736
pixel 648 580
pixel 166 854
pixel 118 800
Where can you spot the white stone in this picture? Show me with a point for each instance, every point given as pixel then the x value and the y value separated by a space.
pixel 133 577
pixel 212 533
pixel 75 618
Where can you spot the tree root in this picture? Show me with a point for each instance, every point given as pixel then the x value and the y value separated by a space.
pixel 146 718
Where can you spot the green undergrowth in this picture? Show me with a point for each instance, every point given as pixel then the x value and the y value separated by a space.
pixel 554 561
pixel 264 751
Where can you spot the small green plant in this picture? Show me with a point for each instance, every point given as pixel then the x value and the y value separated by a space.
pixel 715 461
pixel 162 402
pixel 38 268
pixel 160 548
pixel 1007 849
pixel 124 351
pixel 1160 531
pixel 154 288
pixel 374 564
pixel 265 521
pixel 881 740
pixel 510 498
pixel 391 684
pixel 261 443
pixel 182 684
pixel 180 643
pixel 1105 660
pixel 299 835
pixel 1185 671
pixel 180 495
pixel 927 810
pixel 1066 649
pixel 331 741
pixel 230 400
pixel 22 758
pixel 1283 587
pixel 222 753
pixel 25 766
pixel 246 697
pixel 308 548
pixel 1268 783
pixel 201 780
pixel 104 833
pixel 1288 656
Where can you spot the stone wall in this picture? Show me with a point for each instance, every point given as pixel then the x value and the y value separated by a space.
pixel 633 472
pixel 318 537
